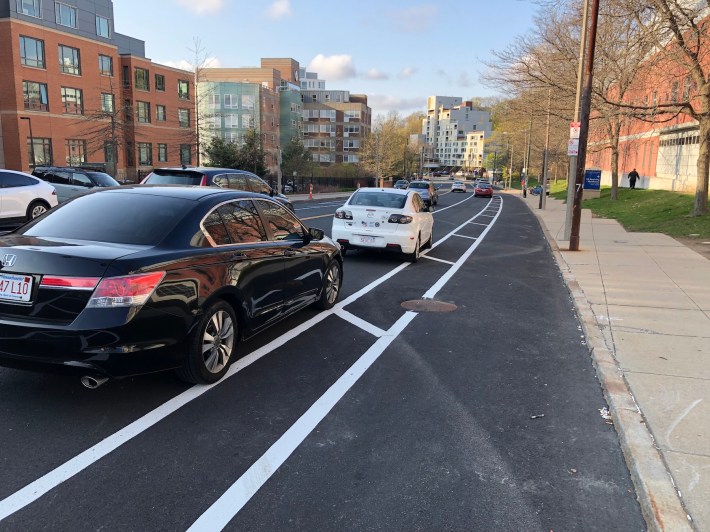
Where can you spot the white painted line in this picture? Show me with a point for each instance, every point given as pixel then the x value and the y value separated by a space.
pixel 431 293
pixel 320 206
pixel 359 322
pixel 436 259
pixel 228 505
pixel 452 205
pixel 238 495
pixel 489 215
pixel 464 236
pixel 478 223
pixel 36 489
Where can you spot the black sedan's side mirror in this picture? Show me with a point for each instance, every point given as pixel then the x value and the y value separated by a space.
pixel 316 234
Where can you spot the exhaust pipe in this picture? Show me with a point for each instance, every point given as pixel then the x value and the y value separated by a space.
pixel 93 382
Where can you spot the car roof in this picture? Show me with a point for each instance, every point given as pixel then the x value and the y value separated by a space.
pixel 387 190
pixel 188 192
pixel 207 170
pixel 17 172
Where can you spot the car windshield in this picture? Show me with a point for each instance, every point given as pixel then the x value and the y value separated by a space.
pixel 103 180
pixel 418 185
pixel 484 185
pixel 379 199
pixel 121 218
pixel 174 177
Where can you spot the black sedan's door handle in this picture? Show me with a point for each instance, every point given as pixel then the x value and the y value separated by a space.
pixel 289 252
pixel 237 256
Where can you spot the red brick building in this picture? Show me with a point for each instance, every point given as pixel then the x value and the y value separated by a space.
pixel 72 93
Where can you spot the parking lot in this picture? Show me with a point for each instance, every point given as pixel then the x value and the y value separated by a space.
pixel 478 413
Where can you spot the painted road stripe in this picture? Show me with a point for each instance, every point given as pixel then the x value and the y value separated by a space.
pixel 238 495
pixel 464 236
pixel 36 489
pixel 321 216
pixel 359 322
pixel 437 259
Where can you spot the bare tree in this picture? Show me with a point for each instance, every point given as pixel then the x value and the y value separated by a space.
pixel 384 151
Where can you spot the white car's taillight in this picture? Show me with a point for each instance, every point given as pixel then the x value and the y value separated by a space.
pixel 400 219
pixel 343 215
pixel 126 291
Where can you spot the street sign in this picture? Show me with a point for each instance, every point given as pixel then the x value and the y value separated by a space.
pixel 574 128
pixel 573 147
pixel 592 179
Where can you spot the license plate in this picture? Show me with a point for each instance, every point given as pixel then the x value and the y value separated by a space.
pixel 15 287
pixel 367 239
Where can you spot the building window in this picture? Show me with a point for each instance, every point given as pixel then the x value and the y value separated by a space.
pixel 185 154
pixel 145 154
pixel 72 101
pixel 247 101
pixel 160 113
pixel 231 121
pixel 69 61
pixel 160 82
pixel 32 52
pixel 107 103
pixel 214 101
pixel 162 153
pixel 184 117
pixel 183 89
pixel 231 101
pixel 76 151
pixel 247 121
pixel 66 15
pixel 28 7
pixel 35 95
pixel 110 155
pixel 142 81
pixel 39 151
pixel 102 27
pixel 128 109
pixel 143 112
pixel 105 65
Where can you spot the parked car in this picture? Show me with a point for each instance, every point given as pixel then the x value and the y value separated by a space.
pixel 386 219
pixel 426 191
pixel 458 186
pixel 402 184
pixel 221 177
pixel 483 188
pixel 70 182
pixel 138 279
pixel 24 197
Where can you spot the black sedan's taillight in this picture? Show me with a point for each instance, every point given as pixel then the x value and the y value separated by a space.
pixel 400 219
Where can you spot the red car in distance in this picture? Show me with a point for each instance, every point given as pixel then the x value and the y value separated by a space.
pixel 483 189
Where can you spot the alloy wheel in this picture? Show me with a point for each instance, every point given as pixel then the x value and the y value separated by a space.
pixel 218 341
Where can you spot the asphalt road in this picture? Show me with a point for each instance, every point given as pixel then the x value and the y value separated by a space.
pixel 367 417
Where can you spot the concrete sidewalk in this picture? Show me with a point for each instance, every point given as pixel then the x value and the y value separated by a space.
pixel 644 301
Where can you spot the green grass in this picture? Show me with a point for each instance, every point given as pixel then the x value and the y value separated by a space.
pixel 649 211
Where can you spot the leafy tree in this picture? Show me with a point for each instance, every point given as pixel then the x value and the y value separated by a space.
pixel 384 150
pixel 251 153
pixel 296 158
pixel 221 153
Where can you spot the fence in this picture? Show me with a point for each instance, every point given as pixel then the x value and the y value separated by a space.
pixel 322 184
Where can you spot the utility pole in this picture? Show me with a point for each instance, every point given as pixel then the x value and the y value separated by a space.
pixel 543 194
pixel 573 158
pixel 585 107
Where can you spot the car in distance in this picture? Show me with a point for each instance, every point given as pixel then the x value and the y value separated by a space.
pixel 70 182
pixel 221 177
pixel 426 190
pixel 385 219
pixel 402 184
pixel 483 188
pixel 458 186
pixel 162 278
pixel 24 197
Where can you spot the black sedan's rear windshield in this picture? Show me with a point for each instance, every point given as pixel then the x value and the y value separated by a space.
pixel 379 199
pixel 116 217
pixel 174 177
pixel 418 185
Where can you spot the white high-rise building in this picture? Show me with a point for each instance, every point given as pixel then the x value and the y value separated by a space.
pixel 456 131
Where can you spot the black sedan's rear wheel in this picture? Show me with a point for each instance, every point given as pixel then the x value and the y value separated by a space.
pixel 332 280
pixel 211 346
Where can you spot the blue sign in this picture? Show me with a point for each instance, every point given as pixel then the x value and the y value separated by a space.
pixel 592 179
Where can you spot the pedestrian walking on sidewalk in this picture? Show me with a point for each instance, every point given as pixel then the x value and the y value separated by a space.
pixel 633 176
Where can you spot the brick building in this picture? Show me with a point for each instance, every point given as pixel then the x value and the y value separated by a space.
pixel 75 91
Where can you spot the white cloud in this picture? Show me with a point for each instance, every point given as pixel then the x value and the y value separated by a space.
pixel 406 73
pixel 414 19
pixel 333 67
pixel 280 9
pixel 201 7
pixel 183 64
pixel 384 103
pixel 373 73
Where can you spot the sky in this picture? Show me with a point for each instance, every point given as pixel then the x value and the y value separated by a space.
pixel 396 52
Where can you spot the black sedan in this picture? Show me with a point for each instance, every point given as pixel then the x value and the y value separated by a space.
pixel 139 279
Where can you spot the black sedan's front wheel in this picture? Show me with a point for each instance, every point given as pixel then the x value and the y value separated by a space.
pixel 332 280
pixel 211 346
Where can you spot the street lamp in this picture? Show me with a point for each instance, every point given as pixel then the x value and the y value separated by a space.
pixel 32 140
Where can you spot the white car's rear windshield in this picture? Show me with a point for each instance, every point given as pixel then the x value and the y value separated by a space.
pixel 379 199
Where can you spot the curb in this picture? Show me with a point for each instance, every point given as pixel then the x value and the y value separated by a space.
pixel 660 500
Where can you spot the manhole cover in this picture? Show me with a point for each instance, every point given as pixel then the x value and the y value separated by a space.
pixel 428 305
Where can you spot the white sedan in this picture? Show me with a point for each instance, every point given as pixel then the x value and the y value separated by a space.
pixel 384 219
pixel 458 186
pixel 24 197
